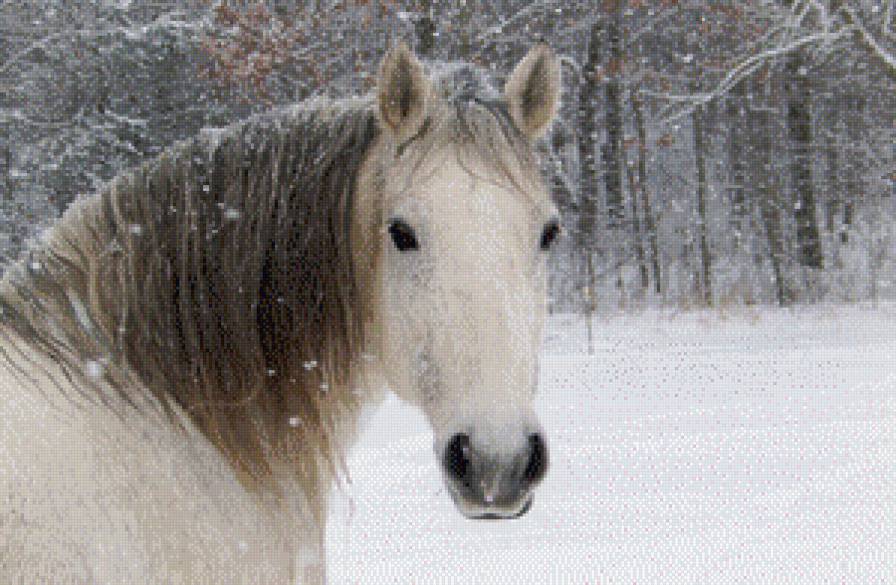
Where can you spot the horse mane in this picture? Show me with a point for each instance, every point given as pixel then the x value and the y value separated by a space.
pixel 218 278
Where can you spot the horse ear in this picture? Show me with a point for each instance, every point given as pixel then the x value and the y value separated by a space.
pixel 402 93
pixel 533 91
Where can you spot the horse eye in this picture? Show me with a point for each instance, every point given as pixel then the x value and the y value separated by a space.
pixel 402 236
pixel 550 233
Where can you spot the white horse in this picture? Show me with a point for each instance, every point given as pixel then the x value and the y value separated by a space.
pixel 186 354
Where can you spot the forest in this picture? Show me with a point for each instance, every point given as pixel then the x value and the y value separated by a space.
pixel 707 153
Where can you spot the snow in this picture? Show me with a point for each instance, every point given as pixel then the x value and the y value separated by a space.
pixel 94 368
pixel 232 214
pixel 744 446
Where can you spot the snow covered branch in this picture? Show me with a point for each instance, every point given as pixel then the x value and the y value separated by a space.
pixel 885 56
pixel 174 20
pixel 741 70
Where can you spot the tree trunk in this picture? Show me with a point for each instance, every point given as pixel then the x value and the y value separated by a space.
pixel 613 149
pixel 735 114
pixel 636 229
pixel 649 221
pixel 764 185
pixel 464 27
pixel 832 206
pixel 702 224
pixel 799 127
pixel 425 28
pixel 591 299
pixel 848 207
pixel 6 162
pixel 854 188
pixel 587 146
pixel 834 189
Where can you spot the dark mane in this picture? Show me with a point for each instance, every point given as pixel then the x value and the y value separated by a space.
pixel 218 277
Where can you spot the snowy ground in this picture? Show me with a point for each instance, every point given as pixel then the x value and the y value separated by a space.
pixel 748 447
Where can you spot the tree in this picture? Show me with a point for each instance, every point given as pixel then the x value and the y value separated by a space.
pixel 613 150
pixel 802 150
pixel 702 220
pixel 88 89
pixel 765 183
pixel 649 219
pixel 587 145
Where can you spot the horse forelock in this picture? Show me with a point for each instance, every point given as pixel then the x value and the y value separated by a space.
pixel 218 279
pixel 471 115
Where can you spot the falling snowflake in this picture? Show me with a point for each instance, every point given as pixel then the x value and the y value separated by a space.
pixel 95 369
pixel 232 214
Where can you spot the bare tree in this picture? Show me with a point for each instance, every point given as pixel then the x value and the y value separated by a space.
pixel 649 218
pixel 765 184
pixel 638 237
pixel 736 172
pixel 854 184
pixel 700 147
pixel 802 148
pixel 613 150
pixel 587 145
pixel 89 89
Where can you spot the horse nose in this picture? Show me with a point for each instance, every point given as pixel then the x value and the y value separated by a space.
pixel 494 481
pixel 457 460
pixel 537 465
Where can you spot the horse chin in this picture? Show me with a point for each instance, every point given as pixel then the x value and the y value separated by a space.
pixel 475 511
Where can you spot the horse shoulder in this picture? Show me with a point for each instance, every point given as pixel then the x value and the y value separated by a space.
pixel 90 497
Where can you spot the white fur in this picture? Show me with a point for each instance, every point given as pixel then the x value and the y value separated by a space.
pixel 82 491
pixel 474 293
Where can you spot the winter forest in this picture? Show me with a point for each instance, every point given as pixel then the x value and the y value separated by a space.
pixel 716 378
pixel 707 153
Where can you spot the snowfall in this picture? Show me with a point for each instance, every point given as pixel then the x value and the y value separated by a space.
pixel 701 447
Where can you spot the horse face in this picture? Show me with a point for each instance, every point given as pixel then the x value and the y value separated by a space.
pixel 464 293
pixel 462 284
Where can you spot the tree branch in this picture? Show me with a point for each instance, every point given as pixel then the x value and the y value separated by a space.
pixel 883 55
pixel 738 72
pixel 167 21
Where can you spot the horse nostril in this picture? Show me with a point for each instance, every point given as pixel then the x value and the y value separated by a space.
pixel 537 465
pixel 456 459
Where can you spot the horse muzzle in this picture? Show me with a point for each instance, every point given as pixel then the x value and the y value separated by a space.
pixel 489 486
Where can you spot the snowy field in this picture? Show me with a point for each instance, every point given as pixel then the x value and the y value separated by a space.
pixel 700 448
